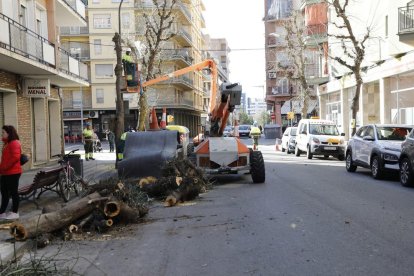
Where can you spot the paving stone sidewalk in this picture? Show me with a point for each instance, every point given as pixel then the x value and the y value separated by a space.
pixel 93 171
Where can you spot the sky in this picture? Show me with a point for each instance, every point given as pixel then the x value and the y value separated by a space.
pixel 240 22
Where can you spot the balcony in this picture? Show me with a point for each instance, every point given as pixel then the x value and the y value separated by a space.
pixel 313 74
pixel 183 37
pixel 70 13
pixel 176 101
pixel 309 2
pixel 275 42
pixel 406 23
pixel 182 56
pixel 184 10
pixel 24 52
pixel 72 31
pixel 316 34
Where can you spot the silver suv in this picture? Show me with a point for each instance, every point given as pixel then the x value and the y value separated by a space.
pixel 376 147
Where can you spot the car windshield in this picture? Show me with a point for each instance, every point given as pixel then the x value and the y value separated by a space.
pixel 244 128
pixel 392 133
pixel 293 131
pixel 228 128
pixel 320 129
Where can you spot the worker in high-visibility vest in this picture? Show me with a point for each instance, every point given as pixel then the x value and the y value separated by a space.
pixel 121 146
pixel 130 68
pixel 255 133
pixel 88 141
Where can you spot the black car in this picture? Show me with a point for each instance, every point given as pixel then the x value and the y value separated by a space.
pixel 407 161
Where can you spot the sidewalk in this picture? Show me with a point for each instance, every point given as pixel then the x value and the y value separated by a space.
pixel 94 170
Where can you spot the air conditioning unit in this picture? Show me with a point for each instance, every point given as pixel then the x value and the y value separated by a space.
pixel 93 114
pixel 272 75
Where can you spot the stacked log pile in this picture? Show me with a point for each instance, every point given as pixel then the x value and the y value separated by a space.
pixel 112 202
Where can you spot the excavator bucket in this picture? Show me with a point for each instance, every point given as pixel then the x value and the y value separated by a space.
pixel 146 152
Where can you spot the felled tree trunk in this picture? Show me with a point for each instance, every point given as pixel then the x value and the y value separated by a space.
pixel 49 222
pixel 188 190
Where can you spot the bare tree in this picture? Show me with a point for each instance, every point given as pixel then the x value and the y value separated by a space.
pixel 353 49
pixel 157 28
pixel 297 51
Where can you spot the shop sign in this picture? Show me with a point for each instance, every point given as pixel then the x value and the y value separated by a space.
pixel 36 88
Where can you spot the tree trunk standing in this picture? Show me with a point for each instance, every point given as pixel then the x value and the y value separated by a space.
pixel 355 100
pixel 356 53
pixel 119 126
pixel 143 110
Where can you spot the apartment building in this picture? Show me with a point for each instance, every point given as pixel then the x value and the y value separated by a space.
pixel 279 88
pixel 182 96
pixel 34 69
pixel 388 70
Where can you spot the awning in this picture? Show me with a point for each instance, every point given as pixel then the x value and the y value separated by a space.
pixel 297 106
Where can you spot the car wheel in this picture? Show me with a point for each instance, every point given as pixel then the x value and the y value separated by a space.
pixel 287 149
pixel 309 154
pixel 283 149
pixel 349 164
pixel 341 157
pixel 406 173
pixel 326 156
pixel 376 170
pixel 297 151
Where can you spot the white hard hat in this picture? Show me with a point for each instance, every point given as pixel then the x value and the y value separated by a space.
pixel 128 49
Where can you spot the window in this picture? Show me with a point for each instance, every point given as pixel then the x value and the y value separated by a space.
pixel 102 21
pixel 104 70
pixel 125 20
pixel 76 99
pixel 97 45
pixel 100 96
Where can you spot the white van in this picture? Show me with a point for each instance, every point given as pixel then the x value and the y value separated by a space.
pixel 319 137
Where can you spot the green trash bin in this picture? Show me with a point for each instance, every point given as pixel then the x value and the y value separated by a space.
pixel 76 162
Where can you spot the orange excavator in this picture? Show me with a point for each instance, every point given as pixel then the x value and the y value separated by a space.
pixel 216 154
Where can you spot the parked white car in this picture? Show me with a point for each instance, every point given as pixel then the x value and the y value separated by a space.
pixel 319 137
pixel 288 140
pixel 377 147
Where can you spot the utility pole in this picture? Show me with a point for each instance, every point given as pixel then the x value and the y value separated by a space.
pixel 119 126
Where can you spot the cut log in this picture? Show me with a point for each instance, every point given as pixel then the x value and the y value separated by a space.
pixel 112 208
pixel 84 221
pixel 49 222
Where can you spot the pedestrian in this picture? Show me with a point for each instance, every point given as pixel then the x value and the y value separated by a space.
pixel 261 129
pixel 10 171
pixel 255 134
pixel 111 140
pixel 88 140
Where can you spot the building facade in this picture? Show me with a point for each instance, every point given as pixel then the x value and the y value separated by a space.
pixel 387 92
pixel 34 69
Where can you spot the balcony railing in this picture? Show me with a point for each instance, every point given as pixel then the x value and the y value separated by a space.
pixel 175 101
pixel 78 6
pixel 71 65
pixel 185 11
pixel 178 54
pixel 20 40
pixel 318 29
pixel 74 30
pixel 406 20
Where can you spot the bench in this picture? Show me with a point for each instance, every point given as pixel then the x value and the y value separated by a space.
pixel 46 180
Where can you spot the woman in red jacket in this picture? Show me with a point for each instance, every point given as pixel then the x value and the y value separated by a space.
pixel 10 171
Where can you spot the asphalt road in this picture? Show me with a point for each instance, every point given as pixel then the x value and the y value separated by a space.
pixel 311 217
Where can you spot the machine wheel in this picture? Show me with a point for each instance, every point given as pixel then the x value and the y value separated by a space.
pixel 406 173
pixel 257 167
pixel 309 154
pixel 349 165
pixel 297 151
pixel 376 170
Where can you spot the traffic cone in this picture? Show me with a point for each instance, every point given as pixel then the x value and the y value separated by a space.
pixel 163 123
pixel 153 121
